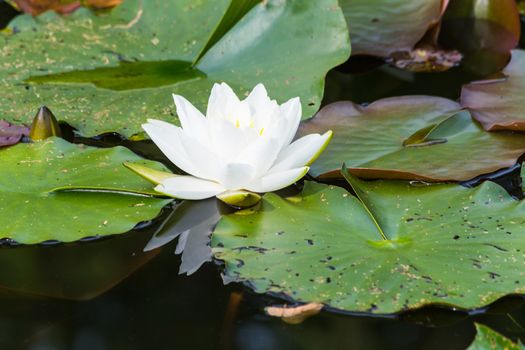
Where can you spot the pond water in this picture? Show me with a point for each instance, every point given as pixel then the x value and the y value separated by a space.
pixel 109 294
pixel 152 307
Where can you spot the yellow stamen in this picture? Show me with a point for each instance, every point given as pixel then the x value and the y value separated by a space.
pixel 237 123
pixel 261 132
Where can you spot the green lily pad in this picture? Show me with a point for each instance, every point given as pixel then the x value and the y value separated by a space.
pixel 396 247
pixel 487 339
pixel 110 72
pixel 382 27
pixel 499 103
pixel 39 197
pixel 389 139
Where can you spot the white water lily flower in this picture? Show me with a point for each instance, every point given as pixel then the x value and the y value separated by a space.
pixel 238 146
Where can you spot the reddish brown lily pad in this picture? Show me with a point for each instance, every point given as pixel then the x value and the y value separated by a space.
pixel 11 134
pixel 36 7
pixel 410 137
pixel 383 27
pixel 499 103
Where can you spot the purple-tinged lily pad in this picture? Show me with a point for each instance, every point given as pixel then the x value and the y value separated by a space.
pixel 11 134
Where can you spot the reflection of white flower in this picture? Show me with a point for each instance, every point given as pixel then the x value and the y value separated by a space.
pixel 239 146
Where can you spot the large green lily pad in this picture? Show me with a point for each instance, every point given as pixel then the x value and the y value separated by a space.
pixel 487 339
pixel 39 198
pixel 111 72
pixel 407 138
pixel 396 247
pixel 499 103
pixel 382 27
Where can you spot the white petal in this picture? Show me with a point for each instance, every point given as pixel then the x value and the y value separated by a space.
pixel 191 119
pixel 168 138
pixel 240 115
pixel 164 125
pixel 261 154
pixel 264 118
pixel 291 111
pixel 278 129
pixel 189 187
pixel 236 176
pixel 227 140
pixel 222 98
pixel 276 181
pixel 303 151
pixel 258 99
pixel 224 104
pixel 206 162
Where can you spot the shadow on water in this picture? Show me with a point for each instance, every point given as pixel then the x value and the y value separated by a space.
pixel 6 13
pixel 110 294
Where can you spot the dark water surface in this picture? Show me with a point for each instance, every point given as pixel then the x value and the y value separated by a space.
pixel 109 294
pixel 154 308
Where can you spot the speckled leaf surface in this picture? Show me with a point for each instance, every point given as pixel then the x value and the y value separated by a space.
pixel 382 27
pixel 372 141
pixel 34 210
pixel 500 103
pixel 445 244
pixel 110 72
pixel 487 339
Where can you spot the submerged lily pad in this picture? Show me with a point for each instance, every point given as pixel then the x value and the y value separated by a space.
pixel 396 247
pixel 110 72
pixel 487 339
pixel 382 27
pixel 36 199
pixel 499 103
pixel 390 139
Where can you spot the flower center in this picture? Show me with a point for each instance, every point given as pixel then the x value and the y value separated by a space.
pixel 251 124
